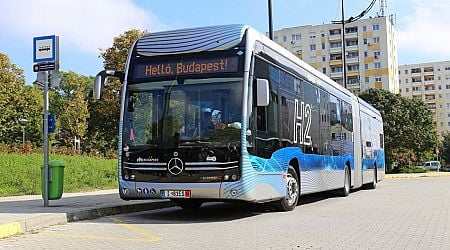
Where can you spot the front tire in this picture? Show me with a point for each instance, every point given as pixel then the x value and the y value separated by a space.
pixel 188 204
pixel 289 202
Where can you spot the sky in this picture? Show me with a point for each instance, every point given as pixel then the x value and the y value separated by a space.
pixel 85 27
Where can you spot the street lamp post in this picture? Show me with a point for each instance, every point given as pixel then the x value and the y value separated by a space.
pixel 23 122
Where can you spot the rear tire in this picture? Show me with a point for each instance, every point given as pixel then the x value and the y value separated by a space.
pixel 188 204
pixel 289 202
pixel 345 190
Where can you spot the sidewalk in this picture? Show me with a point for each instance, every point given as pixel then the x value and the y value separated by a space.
pixel 27 213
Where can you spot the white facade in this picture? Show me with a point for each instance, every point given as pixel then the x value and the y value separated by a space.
pixel 371 50
pixel 429 82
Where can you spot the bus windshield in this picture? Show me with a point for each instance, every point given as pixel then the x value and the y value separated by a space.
pixel 183 112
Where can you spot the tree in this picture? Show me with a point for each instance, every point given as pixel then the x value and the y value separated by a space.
pixel 18 101
pixel 446 148
pixel 409 131
pixel 70 105
pixel 105 113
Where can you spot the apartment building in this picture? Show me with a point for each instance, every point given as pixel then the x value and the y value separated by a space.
pixel 370 45
pixel 429 82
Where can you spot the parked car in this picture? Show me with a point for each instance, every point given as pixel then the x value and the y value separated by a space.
pixel 432 165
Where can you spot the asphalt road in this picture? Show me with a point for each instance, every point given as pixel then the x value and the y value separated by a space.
pixel 399 214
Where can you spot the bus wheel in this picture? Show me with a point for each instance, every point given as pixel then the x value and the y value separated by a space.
pixel 188 204
pixel 345 190
pixel 373 185
pixel 289 202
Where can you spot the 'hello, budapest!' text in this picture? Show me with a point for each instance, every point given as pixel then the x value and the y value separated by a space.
pixel 186 67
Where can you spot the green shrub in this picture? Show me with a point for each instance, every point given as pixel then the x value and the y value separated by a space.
pixel 407 169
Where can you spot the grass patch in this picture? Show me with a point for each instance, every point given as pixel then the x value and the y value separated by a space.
pixel 20 174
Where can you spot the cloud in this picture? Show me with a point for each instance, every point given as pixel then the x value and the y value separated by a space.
pixel 85 25
pixel 425 29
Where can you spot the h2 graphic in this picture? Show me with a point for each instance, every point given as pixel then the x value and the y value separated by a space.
pixel 302 123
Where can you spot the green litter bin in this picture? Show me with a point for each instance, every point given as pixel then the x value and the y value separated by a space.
pixel 56 179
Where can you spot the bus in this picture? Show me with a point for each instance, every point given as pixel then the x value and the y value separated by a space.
pixel 224 113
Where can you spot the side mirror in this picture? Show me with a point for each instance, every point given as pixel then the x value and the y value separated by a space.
pixel 98 86
pixel 101 79
pixel 262 92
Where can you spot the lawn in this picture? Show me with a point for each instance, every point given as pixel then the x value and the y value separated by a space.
pixel 20 174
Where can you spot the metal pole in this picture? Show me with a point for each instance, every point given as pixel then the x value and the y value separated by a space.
pixel 45 120
pixel 270 20
pixel 23 134
pixel 344 72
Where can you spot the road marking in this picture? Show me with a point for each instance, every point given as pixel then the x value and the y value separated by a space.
pixel 10 229
pixel 95 237
pixel 138 230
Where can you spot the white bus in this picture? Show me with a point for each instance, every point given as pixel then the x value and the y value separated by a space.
pixel 223 113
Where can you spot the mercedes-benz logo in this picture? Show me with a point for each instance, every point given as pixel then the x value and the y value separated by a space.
pixel 175 166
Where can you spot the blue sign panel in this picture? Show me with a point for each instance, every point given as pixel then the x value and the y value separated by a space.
pixel 45 49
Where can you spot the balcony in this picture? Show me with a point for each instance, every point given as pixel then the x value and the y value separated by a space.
pixel 417 92
pixel 336 37
pixel 353 73
pixel 351 35
pixel 335 50
pixel 336 75
pixel 354 60
pixel 351 48
pixel 430 91
pixel 335 62
pixel 415 74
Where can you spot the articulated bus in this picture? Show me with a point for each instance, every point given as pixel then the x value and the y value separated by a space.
pixel 224 113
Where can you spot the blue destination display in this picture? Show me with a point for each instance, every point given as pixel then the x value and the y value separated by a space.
pixel 186 67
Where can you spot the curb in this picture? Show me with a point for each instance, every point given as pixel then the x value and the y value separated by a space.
pixel 9 229
pixel 417 175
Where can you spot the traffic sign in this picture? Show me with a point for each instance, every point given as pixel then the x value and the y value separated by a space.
pixel 44 66
pixel 46 49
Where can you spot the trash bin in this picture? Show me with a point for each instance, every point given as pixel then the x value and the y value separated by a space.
pixel 56 179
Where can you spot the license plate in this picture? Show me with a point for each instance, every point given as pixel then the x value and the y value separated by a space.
pixel 176 193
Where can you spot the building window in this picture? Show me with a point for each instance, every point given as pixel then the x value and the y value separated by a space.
pixel 406 80
pixel 284 38
pixel 407 90
pixel 323 45
pixel 312 47
pixel 376 54
pixel 376 27
pixel 399 72
pixel 335 45
pixel 312 35
pixel 324 58
pixel 366 79
pixel 353 67
pixel 400 81
pixel 365 41
pixel 439 78
pixel 364 28
pixel 324 70
pixel 296 37
pixel 406 71
pixel 365 53
pixel 336 70
pixel 377 78
pixel 440 87
pixel 447 86
pixel 416 70
pixel 377 65
pixel 376 40
pixel 366 66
